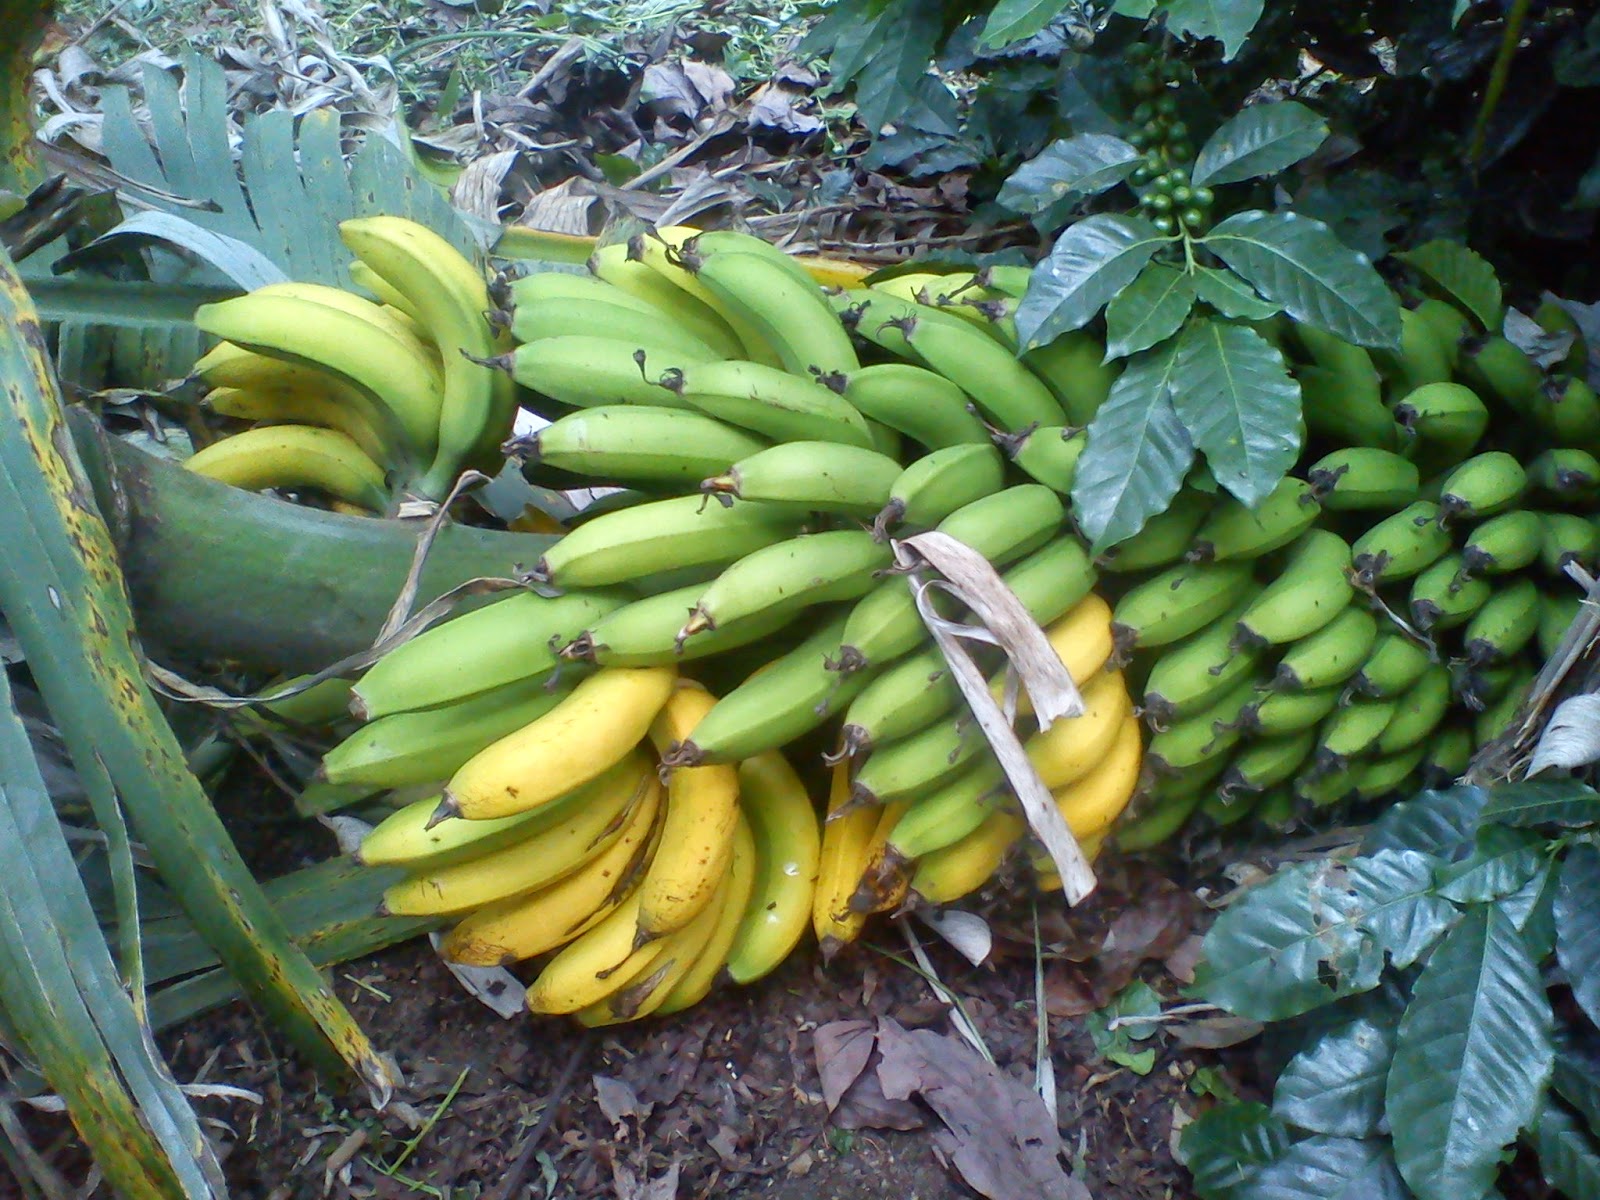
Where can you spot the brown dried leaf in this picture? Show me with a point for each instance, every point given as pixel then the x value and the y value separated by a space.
pixel 617 1100
pixel 843 1049
pixel 1069 992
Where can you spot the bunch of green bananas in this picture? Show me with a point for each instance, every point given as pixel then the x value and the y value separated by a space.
pixel 353 398
pixel 1381 614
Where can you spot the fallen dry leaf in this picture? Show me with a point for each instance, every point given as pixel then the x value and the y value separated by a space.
pixel 853 1092
pixel 617 1100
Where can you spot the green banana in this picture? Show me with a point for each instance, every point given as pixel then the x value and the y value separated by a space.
pixel 1351 732
pixel 1235 531
pixel 512 639
pixel 1508 621
pixel 1393 666
pixel 815 568
pixel 1074 367
pixel 1482 486
pixel 1571 411
pixel 1442 599
pixel 822 476
pixel 1202 738
pixel 1425 355
pixel 512 290
pixel 1417 712
pixel 1554 319
pixel 1479 686
pixel 769 401
pixel 1345 416
pixel 1009 394
pixel 659 250
pixel 907 696
pixel 1445 756
pixel 1359 478
pixel 1557 612
pixel 1501 544
pixel 1399 546
pixel 1322 787
pixel 636 443
pixel 923 405
pixel 1223 809
pixel 648 286
pixel 1565 475
pixel 1175 603
pixel 1443 422
pixel 1497 367
pixel 946 815
pixel 1450 325
pixel 1267 762
pixel 1189 676
pixel 939 483
pixel 410 748
pixel 570 316
pixel 1164 539
pixel 1353 366
pixel 1311 590
pixel 684 531
pixel 1501 716
pixel 1157 821
pixel 1280 713
pixel 1567 538
pixel 927 758
pixel 788 308
pixel 1277 810
pixel 645 632
pixel 585 371
pixel 1048 454
pixel 1379 777
pixel 1330 655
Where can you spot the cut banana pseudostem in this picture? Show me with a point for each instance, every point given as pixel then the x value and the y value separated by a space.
pixel 588 732
pixel 1399 546
pixel 1359 478
pixel 451 297
pixel 923 405
pixel 937 484
pixel 510 640
pixel 663 535
pixel 817 568
pixel 787 844
pixel 1482 486
pixel 637 444
pixel 612 265
pixel 1236 531
pixel 823 476
pixel 292 458
pixel 1179 601
pixel 591 371
pixel 771 402
pixel 645 633
pixel 1329 655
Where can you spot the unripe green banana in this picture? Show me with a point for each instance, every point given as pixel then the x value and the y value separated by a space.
pixel 770 401
pixel 946 815
pixel 1393 666
pixel 684 531
pixel 1074 368
pixel 510 291
pixel 1164 539
pixel 1234 531
pixel 1330 655
pixel 1279 713
pixel 637 443
pixel 1442 599
pixel 1223 809
pixel 645 632
pixel 1482 486
pixel 1451 326
pixel 1445 756
pixel 1344 415
pixel 1501 544
pixel 1048 454
pixel 823 476
pixel 907 696
pixel 1157 821
pixel 922 404
pixel 1477 687
pixel 1203 738
pixel 1417 713
pixel 1352 364
pixel 1571 411
pixel 1399 546
pixel 569 316
pixel 409 748
pixel 1009 394
pixel 1187 677
pixel 1444 421
pixel 1381 777
pixel 1321 787
pixel 648 286
pixel 926 759
pixel 1507 622
pixel 787 307
pixel 1570 476
pixel 1497 367
pixel 1567 538
pixel 660 250
pixel 1500 716
pixel 1266 763
pixel 1277 809
pixel 1425 355
pixel 1352 731
pixel 1557 612
pixel 1177 602
pixel 512 639
pixel 937 484
pixel 1311 590
pixel 1358 478
pixel 816 568
pixel 590 371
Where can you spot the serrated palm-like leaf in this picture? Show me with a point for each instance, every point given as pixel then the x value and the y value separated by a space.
pixel 1567 802
pixel 1229 21
pixel 1471 1059
pixel 1225 1147
pixel 65 1000
pixel 1578 926
pixel 1503 861
pixel 1148 310
pixel 1463 275
pixel 1442 823
pixel 1086 163
pixel 62 593
pixel 1335 1084
pixel 1298 262
pixel 1317 932
pixel 1569 1157
pixel 1231 296
pixel 1137 454
pixel 1262 140
pixel 1013 20
pixel 1240 405
pixel 1330 1168
pixel 1089 264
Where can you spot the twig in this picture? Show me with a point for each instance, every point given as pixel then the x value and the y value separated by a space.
pixel 518 1174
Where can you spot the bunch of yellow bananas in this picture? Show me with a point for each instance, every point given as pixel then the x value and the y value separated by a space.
pixel 353 398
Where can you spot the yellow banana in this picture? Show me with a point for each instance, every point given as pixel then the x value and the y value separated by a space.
pixel 659 250
pixel 305 408
pixel 1093 802
pixel 612 264
pixel 291 457
pixel 697 831
pixel 526 926
pixel 582 972
pixel 852 838
pixel 965 866
pixel 532 862
pixel 696 983
pixel 382 314
pixel 604 717
pixel 788 843
pixel 1073 746
pixel 382 290
pixel 1082 641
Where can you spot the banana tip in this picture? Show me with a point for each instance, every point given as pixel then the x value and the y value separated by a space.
pixel 448 809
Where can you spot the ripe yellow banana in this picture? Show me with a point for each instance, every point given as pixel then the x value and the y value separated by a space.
pixel 846 847
pixel 697 830
pixel 1074 746
pixel 282 407
pixel 696 983
pixel 1082 641
pixel 582 972
pixel 963 867
pixel 787 843
pixel 593 729
pixel 1091 803
pixel 292 457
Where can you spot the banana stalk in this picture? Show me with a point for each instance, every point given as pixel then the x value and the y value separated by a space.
pixel 62 592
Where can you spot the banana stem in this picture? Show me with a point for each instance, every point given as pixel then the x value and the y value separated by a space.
pixel 1498 74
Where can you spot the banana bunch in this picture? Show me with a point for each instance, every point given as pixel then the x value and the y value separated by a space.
pixel 353 398
pixel 1381 614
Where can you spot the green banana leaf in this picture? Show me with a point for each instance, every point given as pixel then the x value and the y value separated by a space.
pixel 62 593
pixel 24 22
pixel 67 1006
